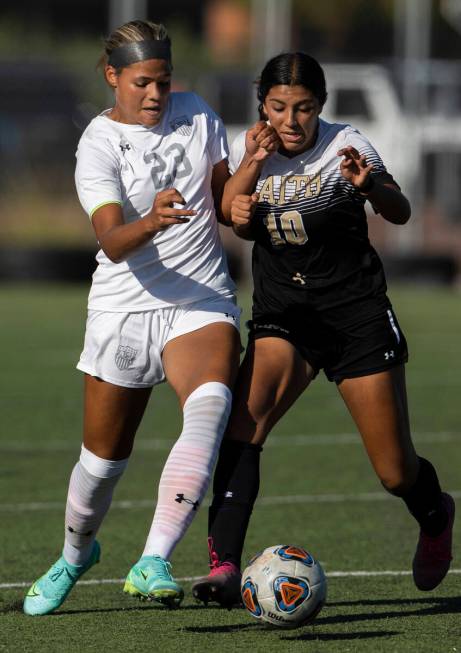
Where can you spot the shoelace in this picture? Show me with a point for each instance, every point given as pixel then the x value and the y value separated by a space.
pixel 162 568
pixel 56 573
pixel 223 568
pixel 217 567
pixel 214 560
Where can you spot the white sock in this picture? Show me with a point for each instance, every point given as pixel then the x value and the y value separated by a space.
pixel 187 472
pixel 91 486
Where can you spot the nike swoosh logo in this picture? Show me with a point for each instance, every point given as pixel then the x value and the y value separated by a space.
pixel 32 591
pixel 143 575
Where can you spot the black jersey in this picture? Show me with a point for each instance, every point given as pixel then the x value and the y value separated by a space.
pixel 310 227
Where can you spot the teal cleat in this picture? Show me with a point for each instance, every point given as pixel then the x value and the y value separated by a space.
pixel 51 590
pixel 150 578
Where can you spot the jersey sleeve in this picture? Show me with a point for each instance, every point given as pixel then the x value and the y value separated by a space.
pixel 362 144
pixel 217 138
pixel 237 152
pixel 96 175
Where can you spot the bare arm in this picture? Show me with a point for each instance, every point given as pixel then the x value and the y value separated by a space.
pixel 390 202
pixel 118 239
pixel 219 178
pixel 242 211
pixel 260 142
pixel 386 198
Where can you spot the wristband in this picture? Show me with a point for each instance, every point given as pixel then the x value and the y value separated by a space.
pixel 367 186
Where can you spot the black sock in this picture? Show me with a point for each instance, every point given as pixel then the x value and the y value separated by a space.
pixel 424 500
pixel 235 488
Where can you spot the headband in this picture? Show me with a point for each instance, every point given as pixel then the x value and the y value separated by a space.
pixel 140 51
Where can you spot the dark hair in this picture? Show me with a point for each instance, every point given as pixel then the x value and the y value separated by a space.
pixel 292 69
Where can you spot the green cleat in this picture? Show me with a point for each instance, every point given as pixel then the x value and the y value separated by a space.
pixel 51 590
pixel 150 578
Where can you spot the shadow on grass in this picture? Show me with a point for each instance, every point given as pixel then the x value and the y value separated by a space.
pixel 148 605
pixel 229 628
pixel 332 637
pixel 11 607
pixel 425 607
pixel 298 635
pixel 421 607
pixel 439 603
pixel 144 605
pixel 17 607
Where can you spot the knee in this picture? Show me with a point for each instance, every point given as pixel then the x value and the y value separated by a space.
pixel 398 479
pixel 395 485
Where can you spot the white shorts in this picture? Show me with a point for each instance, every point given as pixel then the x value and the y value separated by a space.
pixel 126 348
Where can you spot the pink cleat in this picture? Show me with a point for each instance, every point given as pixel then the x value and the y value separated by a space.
pixel 222 583
pixel 433 554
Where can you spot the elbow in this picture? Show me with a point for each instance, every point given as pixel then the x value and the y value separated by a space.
pixel 223 217
pixel 401 214
pixel 404 214
pixel 113 255
pixel 224 221
pixel 224 214
pixel 242 232
pixel 110 247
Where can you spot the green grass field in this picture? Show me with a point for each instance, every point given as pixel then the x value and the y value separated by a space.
pixel 318 490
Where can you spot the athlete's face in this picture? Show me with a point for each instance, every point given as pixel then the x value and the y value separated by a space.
pixel 293 111
pixel 141 91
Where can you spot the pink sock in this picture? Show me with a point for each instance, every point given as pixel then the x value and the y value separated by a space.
pixel 187 472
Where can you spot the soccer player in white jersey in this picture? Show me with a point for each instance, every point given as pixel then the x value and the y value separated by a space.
pixel 150 173
pixel 298 190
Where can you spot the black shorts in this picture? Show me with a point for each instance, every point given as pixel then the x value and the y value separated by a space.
pixel 366 343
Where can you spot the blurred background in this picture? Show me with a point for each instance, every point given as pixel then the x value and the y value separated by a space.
pixel 393 70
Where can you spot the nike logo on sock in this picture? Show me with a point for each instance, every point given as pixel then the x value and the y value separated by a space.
pixel 181 497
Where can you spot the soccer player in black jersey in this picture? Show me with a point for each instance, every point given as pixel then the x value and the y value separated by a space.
pixel 298 190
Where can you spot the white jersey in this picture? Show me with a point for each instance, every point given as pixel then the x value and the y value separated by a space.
pixel 129 165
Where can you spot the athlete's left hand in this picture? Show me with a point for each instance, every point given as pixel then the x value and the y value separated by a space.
pixel 261 141
pixel 354 166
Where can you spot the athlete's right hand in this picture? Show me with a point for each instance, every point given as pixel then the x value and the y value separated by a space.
pixel 163 212
pixel 261 141
pixel 243 208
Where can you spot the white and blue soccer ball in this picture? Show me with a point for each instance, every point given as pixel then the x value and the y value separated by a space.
pixel 284 586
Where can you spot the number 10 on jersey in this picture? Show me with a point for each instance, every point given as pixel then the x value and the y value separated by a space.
pixel 291 228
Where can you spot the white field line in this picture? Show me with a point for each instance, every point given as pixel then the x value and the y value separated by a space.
pixel 38 506
pixel 299 440
pixel 190 579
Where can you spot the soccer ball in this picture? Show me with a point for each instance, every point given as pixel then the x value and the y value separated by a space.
pixel 284 586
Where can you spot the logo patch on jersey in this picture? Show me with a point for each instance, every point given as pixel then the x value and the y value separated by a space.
pixel 124 356
pixel 124 145
pixel 299 278
pixel 182 125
